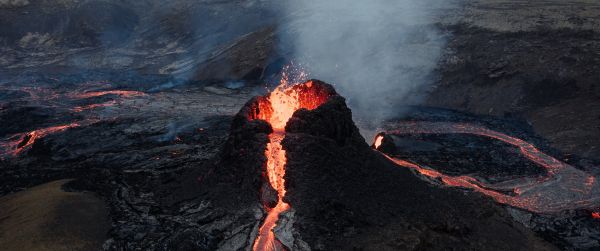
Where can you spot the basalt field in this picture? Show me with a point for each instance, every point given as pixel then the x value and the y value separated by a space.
pixel 299 125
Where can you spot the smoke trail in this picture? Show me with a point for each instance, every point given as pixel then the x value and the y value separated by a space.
pixel 377 53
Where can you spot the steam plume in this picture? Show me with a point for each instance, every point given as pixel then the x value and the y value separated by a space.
pixel 377 53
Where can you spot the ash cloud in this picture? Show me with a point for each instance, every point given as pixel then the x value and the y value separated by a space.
pixel 379 54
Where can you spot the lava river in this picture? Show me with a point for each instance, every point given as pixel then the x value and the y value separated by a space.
pixel 564 187
pixel 277 108
pixel 60 100
pixel 25 140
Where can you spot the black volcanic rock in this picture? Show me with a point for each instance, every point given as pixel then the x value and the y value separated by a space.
pixel 460 154
pixel 17 117
pixel 185 194
pixel 332 120
pixel 348 196
pixel 240 166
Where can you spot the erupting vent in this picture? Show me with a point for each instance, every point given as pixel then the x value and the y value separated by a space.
pixel 279 106
pixel 276 109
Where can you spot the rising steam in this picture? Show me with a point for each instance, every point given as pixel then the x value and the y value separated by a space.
pixel 378 53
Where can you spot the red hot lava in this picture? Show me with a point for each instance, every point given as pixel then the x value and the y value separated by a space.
pixel 122 93
pixel 23 141
pixel 378 141
pixel 276 109
pixel 565 187
pixel 17 143
pixel 93 106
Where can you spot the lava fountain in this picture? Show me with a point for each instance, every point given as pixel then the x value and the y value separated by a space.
pixel 277 108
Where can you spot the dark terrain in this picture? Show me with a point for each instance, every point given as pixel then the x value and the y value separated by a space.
pixel 350 197
pixel 534 61
pixel 156 147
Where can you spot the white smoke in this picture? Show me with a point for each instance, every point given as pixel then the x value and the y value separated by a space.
pixel 375 52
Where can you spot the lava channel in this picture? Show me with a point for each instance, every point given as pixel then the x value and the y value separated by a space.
pixel 22 141
pixel 122 93
pixel 276 109
pixel 93 94
pixel 565 187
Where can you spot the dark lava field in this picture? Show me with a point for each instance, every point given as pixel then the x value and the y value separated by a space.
pixel 299 125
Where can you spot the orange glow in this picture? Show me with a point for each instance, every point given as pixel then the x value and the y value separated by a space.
pixel 276 162
pixel 564 186
pixel 284 102
pixel 277 108
pixel 596 215
pixel 115 92
pixel 121 93
pixel 378 141
pixel 24 141
pixel 93 106
pixel 266 238
pixel 459 181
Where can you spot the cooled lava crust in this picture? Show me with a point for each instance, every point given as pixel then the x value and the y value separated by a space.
pixel 347 195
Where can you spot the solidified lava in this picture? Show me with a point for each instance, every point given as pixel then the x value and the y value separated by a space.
pixel 123 93
pixel 564 187
pixel 346 196
pixel 25 140
pixel 309 162
pixel 41 119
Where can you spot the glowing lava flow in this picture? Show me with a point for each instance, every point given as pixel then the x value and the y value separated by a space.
pixel 47 97
pixel 275 170
pixel 378 141
pixel 24 141
pixel 94 106
pixel 122 93
pixel 565 187
pixel 277 109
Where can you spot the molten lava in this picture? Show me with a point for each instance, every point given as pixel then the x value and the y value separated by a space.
pixel 565 187
pixel 91 94
pixel 277 108
pixel 121 93
pixel 378 140
pixel 24 141
pixel 94 106
pixel 596 215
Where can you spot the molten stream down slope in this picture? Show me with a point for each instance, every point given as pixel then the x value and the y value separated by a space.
pixel 565 187
pixel 276 109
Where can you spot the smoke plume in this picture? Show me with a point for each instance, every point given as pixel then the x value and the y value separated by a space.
pixel 378 53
